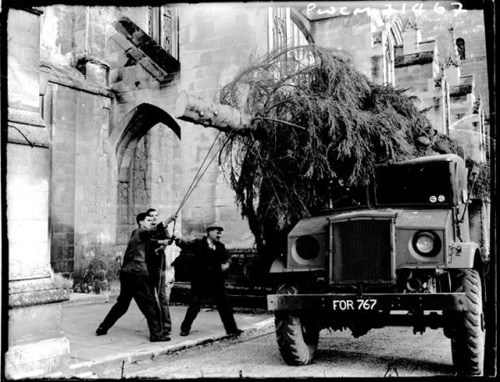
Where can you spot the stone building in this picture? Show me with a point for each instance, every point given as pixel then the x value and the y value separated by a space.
pixel 92 139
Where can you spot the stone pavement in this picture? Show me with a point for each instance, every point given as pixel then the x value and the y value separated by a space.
pixel 128 340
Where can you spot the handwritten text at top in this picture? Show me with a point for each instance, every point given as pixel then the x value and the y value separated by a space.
pixel 417 9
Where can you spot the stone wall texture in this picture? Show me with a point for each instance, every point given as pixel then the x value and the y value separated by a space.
pixel 351 34
pixel 28 195
pixel 36 344
pixel 215 42
pixel 445 29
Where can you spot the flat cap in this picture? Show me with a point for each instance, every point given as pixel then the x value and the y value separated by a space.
pixel 212 226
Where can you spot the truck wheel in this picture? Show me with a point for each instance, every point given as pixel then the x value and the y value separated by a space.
pixel 297 340
pixel 467 342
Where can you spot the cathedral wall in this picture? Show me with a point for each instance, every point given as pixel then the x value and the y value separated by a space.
pixel 215 43
pixel 92 214
pixel 352 34
pixel 445 29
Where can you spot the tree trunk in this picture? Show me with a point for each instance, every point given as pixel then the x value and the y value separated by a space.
pixel 221 117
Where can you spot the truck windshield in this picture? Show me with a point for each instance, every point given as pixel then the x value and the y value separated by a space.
pixel 415 183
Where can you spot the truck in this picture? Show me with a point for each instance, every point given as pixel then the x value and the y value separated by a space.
pixel 403 258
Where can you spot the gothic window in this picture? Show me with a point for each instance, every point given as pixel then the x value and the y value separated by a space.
pixel 461 48
pixel 388 63
pixel 163 28
pixel 284 32
pixel 278 27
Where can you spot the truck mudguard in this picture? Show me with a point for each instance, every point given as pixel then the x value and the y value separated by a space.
pixel 461 255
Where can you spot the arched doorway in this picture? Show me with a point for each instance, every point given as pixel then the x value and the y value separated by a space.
pixel 146 153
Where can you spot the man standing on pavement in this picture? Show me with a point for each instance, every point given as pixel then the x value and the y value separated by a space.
pixel 210 261
pixel 135 281
pixel 156 262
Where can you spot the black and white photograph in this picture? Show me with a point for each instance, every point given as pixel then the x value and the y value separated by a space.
pixel 257 190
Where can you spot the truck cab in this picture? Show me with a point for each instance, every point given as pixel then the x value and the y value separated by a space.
pixel 406 259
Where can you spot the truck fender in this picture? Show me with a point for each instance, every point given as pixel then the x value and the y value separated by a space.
pixel 278 266
pixel 462 255
pixel 467 255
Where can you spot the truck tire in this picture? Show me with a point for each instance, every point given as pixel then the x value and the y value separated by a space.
pixel 297 340
pixel 467 343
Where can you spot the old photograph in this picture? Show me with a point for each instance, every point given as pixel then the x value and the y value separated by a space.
pixel 248 189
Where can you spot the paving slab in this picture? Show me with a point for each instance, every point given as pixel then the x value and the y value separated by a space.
pixel 128 339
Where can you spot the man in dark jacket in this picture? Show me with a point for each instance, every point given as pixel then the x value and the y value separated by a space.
pixel 208 263
pixel 135 282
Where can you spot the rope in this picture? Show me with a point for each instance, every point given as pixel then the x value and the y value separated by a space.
pixel 158 291
pixel 190 190
pixel 198 176
pixel 193 184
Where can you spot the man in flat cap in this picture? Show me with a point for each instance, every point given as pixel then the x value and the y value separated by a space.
pixel 208 263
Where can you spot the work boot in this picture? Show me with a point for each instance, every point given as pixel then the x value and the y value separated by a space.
pixel 235 332
pixel 101 331
pixel 162 338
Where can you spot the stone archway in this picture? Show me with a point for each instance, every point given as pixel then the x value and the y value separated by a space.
pixel 137 123
pixel 134 159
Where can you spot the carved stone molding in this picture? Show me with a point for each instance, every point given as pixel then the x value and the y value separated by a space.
pixel 147 52
pixel 37 291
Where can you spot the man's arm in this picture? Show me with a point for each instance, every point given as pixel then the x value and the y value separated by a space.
pixel 225 257
pixel 161 228
pixel 186 244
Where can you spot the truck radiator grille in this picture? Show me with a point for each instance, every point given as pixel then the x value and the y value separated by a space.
pixel 361 250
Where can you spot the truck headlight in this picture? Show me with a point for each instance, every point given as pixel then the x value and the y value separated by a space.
pixel 426 243
pixel 307 247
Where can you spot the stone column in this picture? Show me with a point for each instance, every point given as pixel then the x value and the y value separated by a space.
pixel 36 343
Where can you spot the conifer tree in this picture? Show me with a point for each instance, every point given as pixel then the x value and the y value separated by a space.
pixel 320 129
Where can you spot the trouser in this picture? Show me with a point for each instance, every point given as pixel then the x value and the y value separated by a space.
pixel 161 289
pixel 216 290
pixel 138 288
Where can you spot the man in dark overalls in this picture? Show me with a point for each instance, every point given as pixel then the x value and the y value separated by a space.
pixel 208 263
pixel 135 282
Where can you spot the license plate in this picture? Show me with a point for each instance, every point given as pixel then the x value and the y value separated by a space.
pixel 359 304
